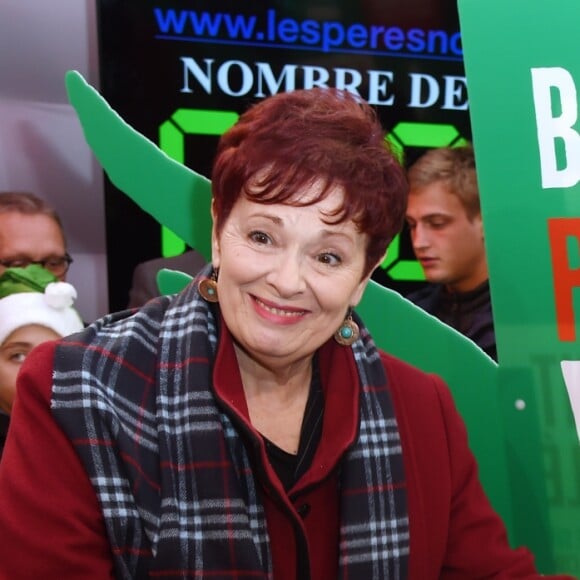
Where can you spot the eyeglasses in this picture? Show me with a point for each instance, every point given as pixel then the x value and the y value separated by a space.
pixel 57 265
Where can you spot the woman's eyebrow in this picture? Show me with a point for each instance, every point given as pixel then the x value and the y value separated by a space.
pixel 277 220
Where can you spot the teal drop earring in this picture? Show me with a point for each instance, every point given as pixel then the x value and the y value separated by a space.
pixel 207 287
pixel 348 331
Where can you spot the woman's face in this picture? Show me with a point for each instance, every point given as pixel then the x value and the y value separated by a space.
pixel 13 351
pixel 287 278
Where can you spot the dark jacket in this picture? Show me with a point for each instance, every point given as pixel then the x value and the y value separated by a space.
pixel 467 312
pixel 144 280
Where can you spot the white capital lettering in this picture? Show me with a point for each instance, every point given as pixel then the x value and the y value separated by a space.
pixel 315 76
pixel 190 66
pixel 379 82
pixel 455 93
pixel 417 81
pixel 551 127
pixel 223 78
pixel 348 79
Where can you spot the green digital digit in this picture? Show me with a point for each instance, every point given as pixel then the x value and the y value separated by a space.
pixel 172 142
pixel 205 122
pixel 412 134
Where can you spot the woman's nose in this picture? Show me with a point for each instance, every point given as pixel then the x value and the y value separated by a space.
pixel 287 275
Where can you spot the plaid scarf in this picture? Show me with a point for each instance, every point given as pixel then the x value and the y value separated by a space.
pixel 173 475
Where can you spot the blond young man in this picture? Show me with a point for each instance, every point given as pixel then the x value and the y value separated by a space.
pixel 444 219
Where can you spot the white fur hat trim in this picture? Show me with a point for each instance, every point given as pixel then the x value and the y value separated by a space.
pixel 52 309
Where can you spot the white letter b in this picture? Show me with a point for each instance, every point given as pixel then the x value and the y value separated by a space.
pixel 550 127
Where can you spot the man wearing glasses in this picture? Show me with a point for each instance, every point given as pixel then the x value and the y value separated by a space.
pixel 31 233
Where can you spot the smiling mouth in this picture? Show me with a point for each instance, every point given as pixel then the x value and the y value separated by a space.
pixel 280 311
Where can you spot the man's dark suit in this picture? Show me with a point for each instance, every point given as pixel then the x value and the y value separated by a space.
pixel 144 283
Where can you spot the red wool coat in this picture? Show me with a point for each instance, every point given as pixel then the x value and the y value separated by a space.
pixel 58 533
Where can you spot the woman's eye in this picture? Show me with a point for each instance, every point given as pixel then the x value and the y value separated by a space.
pixel 330 259
pixel 260 237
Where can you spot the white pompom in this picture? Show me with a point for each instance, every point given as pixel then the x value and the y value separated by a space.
pixel 60 295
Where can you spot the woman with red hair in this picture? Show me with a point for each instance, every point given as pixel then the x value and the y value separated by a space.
pixel 248 427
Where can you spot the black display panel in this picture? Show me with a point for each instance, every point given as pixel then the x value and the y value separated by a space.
pixel 187 64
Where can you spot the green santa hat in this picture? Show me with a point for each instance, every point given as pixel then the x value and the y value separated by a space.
pixel 32 295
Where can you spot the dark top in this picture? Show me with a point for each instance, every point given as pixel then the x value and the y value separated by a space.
pixel 288 467
pixel 468 312
pixel 4 422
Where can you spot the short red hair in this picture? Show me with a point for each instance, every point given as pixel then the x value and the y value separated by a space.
pixel 289 141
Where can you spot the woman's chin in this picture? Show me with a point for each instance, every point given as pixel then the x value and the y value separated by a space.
pixel 275 348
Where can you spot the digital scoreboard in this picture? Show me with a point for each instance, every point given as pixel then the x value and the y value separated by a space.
pixel 182 72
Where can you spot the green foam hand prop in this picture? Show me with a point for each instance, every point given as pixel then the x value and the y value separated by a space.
pixel 180 199
pixel 174 195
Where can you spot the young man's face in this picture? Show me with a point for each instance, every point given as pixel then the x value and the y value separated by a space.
pixel 448 244
pixel 30 238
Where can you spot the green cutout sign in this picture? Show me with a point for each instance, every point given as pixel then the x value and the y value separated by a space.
pixel 498 405
pixel 523 71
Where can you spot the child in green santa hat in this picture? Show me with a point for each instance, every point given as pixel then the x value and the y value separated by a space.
pixel 34 307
